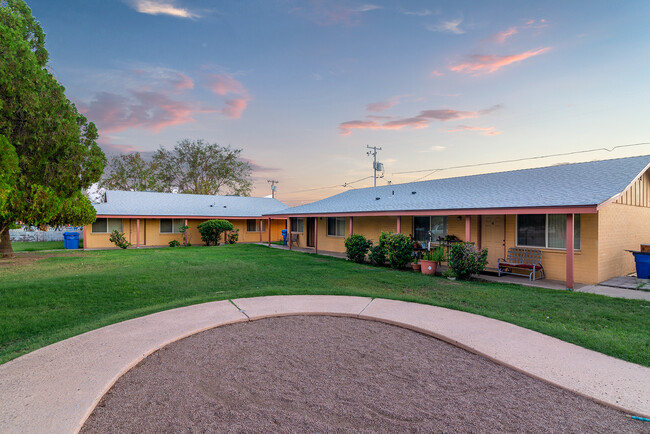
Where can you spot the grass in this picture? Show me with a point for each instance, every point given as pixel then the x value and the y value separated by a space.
pixel 33 246
pixel 45 298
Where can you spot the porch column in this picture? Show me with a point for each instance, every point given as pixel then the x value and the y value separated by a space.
pixel 479 234
pixel 85 237
pixel 468 228
pixel 351 225
pixel 569 252
pixel 137 233
pixel 261 229
pixel 316 234
pixel 185 234
pixel 269 231
pixel 399 224
pixel 289 231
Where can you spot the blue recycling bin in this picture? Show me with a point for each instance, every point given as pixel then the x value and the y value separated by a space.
pixel 71 240
pixel 284 237
pixel 642 260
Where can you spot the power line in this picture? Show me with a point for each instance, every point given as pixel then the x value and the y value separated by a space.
pixel 432 171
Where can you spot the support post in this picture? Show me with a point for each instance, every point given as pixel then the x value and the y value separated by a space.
pixel 269 231
pixel 137 233
pixel 468 228
pixel 316 234
pixel 261 229
pixel 399 224
pixel 351 225
pixel 289 231
pixel 479 234
pixel 85 237
pixel 569 251
pixel 185 234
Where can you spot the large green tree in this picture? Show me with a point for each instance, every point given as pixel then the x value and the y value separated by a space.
pixel 48 152
pixel 192 166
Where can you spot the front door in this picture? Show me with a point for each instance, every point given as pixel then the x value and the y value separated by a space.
pixel 493 238
pixel 311 231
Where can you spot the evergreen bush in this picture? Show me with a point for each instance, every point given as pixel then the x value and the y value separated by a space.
pixel 356 247
pixel 212 229
pixel 464 260
pixel 399 249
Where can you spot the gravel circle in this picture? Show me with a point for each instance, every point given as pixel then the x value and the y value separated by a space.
pixel 328 374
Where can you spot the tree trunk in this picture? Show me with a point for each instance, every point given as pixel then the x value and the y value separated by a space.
pixel 5 244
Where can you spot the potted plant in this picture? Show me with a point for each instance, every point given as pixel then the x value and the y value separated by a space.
pixel 416 264
pixel 431 259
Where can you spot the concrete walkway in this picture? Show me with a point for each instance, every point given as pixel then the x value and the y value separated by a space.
pixel 55 388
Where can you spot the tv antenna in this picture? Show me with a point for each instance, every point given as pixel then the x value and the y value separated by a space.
pixel 375 165
pixel 273 187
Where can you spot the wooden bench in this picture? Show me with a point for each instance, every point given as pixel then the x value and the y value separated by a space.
pixel 524 259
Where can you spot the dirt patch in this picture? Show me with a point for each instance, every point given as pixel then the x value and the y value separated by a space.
pixel 325 374
pixel 26 258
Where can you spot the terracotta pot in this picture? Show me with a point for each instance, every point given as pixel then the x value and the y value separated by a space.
pixel 416 267
pixel 429 267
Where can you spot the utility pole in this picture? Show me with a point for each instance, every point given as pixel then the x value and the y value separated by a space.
pixel 375 166
pixel 273 187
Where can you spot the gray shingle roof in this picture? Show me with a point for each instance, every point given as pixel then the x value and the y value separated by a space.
pixel 143 203
pixel 578 184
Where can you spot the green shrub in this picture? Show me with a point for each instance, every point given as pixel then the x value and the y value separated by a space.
pixel 186 235
pixel 464 260
pixel 399 249
pixel 356 247
pixel 174 243
pixel 233 237
pixel 377 253
pixel 119 239
pixel 212 229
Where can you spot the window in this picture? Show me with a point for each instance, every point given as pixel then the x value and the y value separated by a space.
pixel 427 228
pixel 297 224
pixel 105 226
pixel 546 230
pixel 171 226
pixel 335 226
pixel 253 225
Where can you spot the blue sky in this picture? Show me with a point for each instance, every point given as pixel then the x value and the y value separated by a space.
pixel 303 86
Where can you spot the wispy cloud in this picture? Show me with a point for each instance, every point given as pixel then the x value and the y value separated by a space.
pixel 485 64
pixel 162 7
pixel 332 13
pixel 224 84
pixel 437 73
pixel 422 120
pixel 489 131
pixel 438 148
pixel 500 37
pixel 422 13
pixel 380 106
pixel 452 26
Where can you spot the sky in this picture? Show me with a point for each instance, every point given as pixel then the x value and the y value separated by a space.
pixel 304 86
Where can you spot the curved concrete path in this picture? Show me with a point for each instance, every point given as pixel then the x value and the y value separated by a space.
pixel 54 389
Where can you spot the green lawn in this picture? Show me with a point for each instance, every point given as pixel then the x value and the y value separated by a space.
pixel 46 297
pixel 24 246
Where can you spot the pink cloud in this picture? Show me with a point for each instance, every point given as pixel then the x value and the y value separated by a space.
pixel 381 105
pixel 151 110
pixel 181 82
pixel 327 13
pixel 486 64
pixel 224 84
pixel 422 120
pixel 500 37
pixel 437 73
pixel 490 131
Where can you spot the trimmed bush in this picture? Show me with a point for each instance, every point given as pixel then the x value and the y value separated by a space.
pixel 464 260
pixel 399 249
pixel 233 237
pixel 356 247
pixel 212 229
pixel 377 253
pixel 119 239
pixel 174 243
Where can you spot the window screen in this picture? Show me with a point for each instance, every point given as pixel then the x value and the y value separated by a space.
pixel 541 230
pixel 171 226
pixel 100 226
pixel 252 225
pixel 297 224
pixel 336 226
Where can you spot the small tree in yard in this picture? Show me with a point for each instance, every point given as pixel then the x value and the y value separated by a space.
pixel 399 249
pixel 186 235
pixel 464 260
pixel 119 239
pixel 356 247
pixel 212 229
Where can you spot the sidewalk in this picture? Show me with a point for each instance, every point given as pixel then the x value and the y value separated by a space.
pixel 55 388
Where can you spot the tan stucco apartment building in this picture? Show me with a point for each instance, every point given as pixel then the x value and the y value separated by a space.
pixel 582 216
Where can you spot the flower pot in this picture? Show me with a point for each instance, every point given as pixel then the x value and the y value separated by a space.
pixel 416 267
pixel 428 267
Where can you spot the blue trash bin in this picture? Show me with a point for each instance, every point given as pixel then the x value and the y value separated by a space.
pixel 642 260
pixel 71 240
pixel 284 237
